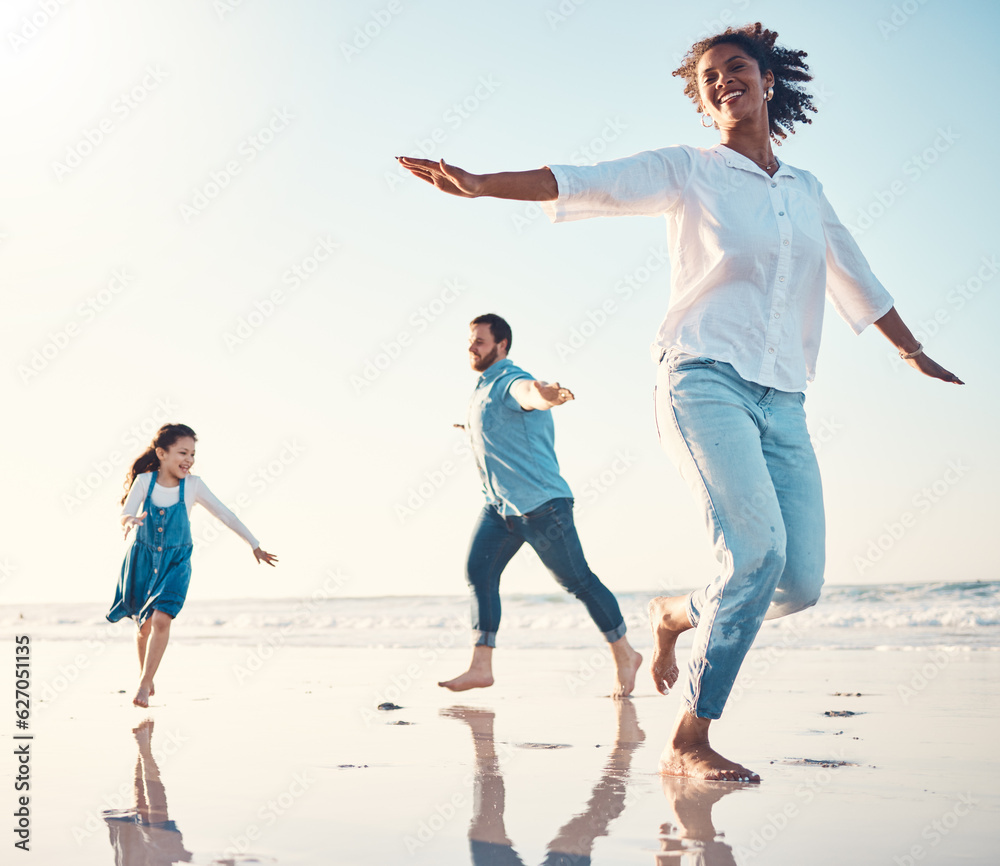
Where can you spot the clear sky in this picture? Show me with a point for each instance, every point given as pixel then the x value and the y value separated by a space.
pixel 202 222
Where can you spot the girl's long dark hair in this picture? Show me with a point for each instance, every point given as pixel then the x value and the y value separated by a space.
pixel 166 436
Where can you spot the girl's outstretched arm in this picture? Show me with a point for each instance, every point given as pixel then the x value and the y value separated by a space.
pixel 536 185
pixel 128 521
pixel 896 332
pixel 264 556
pixel 211 503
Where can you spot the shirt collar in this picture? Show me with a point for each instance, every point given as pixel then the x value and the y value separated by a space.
pixel 492 373
pixel 738 160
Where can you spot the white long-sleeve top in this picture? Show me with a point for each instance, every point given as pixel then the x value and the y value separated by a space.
pixel 196 492
pixel 750 255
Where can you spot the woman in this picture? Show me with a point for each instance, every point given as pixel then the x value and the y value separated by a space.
pixel 753 245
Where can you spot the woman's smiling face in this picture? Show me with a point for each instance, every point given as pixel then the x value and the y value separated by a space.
pixel 730 84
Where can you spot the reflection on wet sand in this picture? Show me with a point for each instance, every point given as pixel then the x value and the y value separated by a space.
pixel 573 844
pixel 145 835
pixel 692 840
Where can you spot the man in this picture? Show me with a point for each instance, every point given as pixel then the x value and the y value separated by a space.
pixel 527 500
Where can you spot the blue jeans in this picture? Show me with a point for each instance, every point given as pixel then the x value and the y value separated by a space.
pixel 744 451
pixel 550 531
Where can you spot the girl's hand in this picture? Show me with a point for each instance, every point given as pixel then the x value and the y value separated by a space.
pixel 933 369
pixel 129 522
pixel 264 556
pixel 447 178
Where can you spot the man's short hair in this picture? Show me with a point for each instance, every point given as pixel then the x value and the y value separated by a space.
pixel 498 328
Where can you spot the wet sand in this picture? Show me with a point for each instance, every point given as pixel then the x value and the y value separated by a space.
pixel 280 755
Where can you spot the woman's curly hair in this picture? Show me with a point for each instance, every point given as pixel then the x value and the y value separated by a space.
pixel 790 102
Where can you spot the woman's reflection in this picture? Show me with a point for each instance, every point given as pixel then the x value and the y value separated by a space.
pixel 692 840
pixel 574 842
pixel 145 835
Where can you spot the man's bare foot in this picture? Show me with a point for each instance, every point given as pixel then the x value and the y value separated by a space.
pixel 689 754
pixel 478 676
pixel 471 679
pixel 668 618
pixel 701 761
pixel 627 663
pixel 141 698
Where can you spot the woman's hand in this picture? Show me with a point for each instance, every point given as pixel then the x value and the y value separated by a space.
pixel 932 368
pixel 447 178
pixel 130 521
pixel 264 556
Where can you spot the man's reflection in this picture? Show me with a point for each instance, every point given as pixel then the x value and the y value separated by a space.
pixel 145 835
pixel 692 840
pixel 573 844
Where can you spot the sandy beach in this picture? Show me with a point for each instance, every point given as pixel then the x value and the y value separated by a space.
pixel 281 755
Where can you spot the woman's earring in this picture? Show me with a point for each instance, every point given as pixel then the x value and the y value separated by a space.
pixel 710 123
pixel 770 94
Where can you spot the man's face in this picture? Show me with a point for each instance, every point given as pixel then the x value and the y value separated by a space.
pixel 483 349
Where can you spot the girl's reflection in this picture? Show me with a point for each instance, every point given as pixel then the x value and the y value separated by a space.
pixel 573 843
pixel 145 836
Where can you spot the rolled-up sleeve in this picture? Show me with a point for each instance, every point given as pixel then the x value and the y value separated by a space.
pixel 856 294
pixel 645 184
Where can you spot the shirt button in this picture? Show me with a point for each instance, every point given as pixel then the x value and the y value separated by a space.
pixel 777 315
pixel 784 242
pixel 161 511
pixel 781 213
pixel 160 528
pixel 780 280
pixel 159 548
pixel 773 184
pixel 156 571
pixel 770 351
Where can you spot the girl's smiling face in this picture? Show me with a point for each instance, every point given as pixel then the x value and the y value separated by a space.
pixel 730 84
pixel 176 461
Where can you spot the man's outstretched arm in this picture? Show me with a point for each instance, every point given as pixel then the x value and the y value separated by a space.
pixel 533 394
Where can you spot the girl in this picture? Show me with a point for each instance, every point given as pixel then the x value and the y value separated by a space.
pixel 157 566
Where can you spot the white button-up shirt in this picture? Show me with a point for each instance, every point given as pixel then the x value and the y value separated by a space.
pixel 750 255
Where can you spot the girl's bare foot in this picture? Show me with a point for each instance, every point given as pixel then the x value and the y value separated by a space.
pixel 141 698
pixel 668 618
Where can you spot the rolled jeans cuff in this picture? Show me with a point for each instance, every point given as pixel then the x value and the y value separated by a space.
pixel 616 633
pixel 485 638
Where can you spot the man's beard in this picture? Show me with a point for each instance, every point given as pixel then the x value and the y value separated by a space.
pixel 483 363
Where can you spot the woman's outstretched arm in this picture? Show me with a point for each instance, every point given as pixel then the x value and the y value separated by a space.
pixel 896 332
pixel 536 185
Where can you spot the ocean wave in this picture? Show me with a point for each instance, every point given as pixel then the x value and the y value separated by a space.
pixel 960 614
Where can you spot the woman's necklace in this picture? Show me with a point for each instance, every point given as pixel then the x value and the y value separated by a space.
pixel 772 164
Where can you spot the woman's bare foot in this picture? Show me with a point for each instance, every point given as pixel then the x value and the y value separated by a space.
pixel 478 676
pixel 701 761
pixel 668 618
pixel 141 698
pixel 689 754
pixel 627 662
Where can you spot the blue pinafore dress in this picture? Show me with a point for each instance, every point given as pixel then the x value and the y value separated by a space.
pixel 157 567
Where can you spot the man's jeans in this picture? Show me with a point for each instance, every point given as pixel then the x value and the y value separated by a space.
pixel 744 451
pixel 550 531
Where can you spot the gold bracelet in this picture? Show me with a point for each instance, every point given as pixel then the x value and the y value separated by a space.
pixel 907 355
